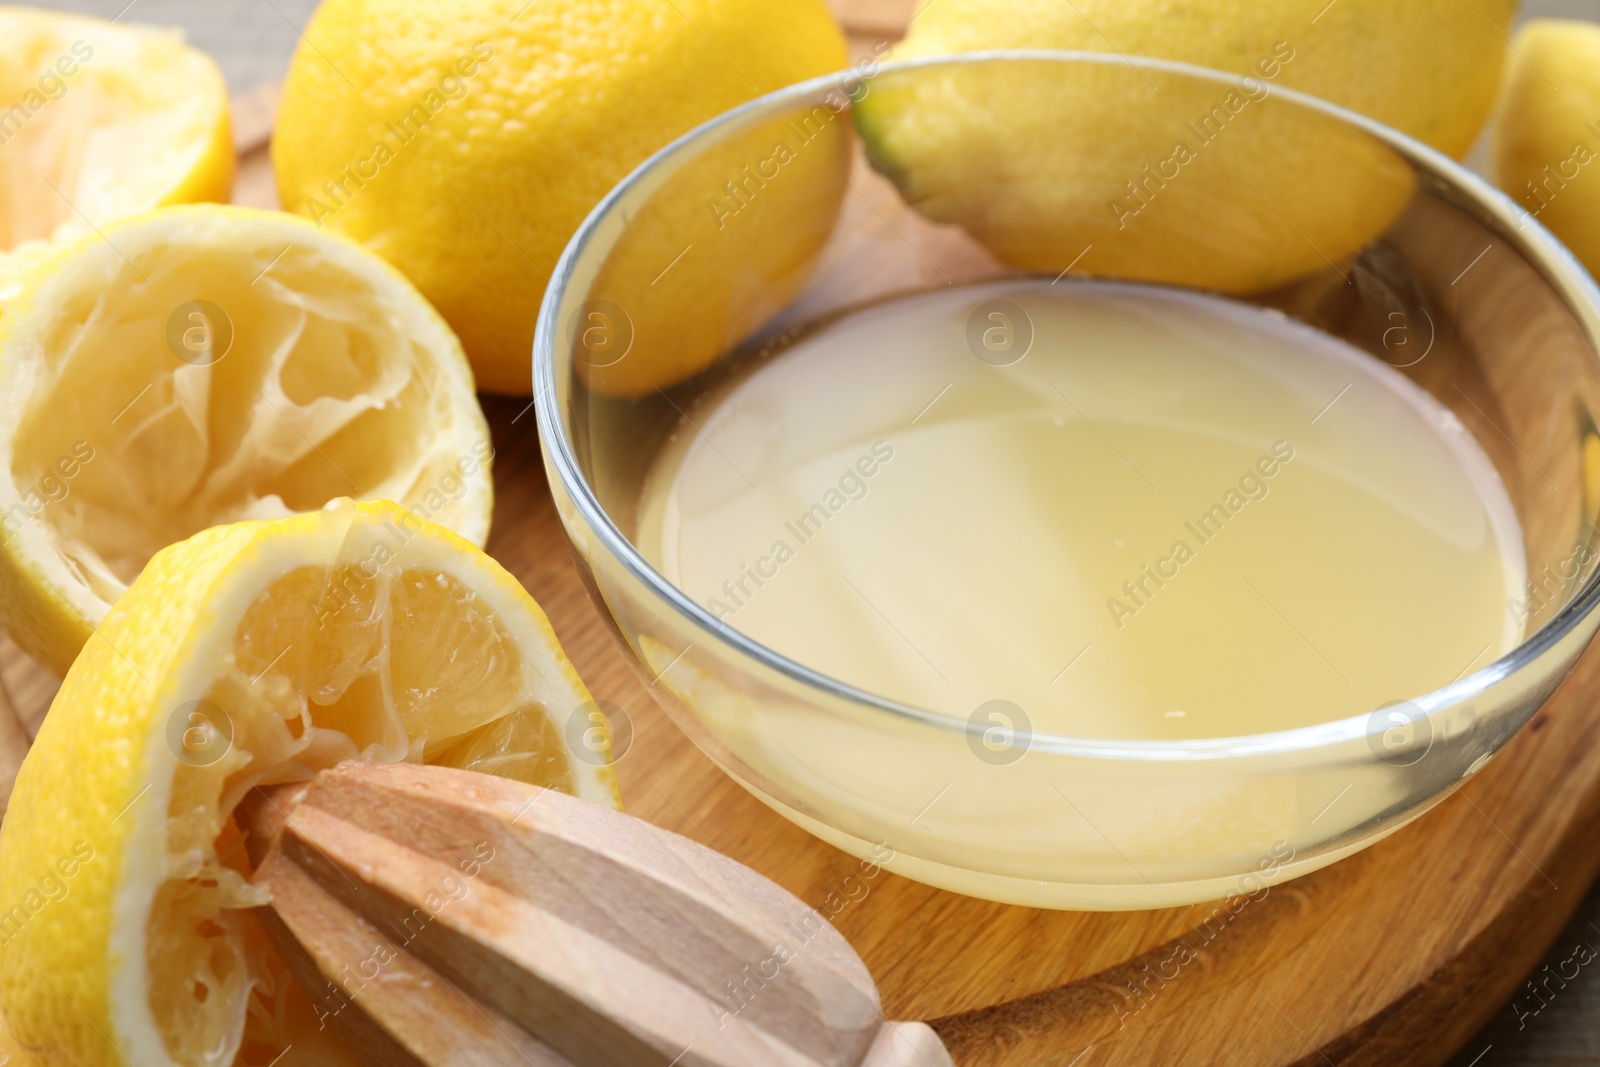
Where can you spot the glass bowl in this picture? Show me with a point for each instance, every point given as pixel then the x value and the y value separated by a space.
pixel 1003 165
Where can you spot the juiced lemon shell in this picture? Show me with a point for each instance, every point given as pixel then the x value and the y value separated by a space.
pixel 204 364
pixel 103 120
pixel 254 652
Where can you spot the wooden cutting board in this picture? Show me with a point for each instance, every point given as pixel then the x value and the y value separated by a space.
pixel 1394 956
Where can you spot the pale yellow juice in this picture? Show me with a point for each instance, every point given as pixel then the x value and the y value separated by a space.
pixel 1174 516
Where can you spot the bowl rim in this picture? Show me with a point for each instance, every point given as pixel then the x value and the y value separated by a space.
pixel 1561 269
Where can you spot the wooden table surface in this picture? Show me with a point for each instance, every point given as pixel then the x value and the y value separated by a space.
pixel 252 41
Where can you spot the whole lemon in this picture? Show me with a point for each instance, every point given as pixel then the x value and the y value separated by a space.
pixel 466 141
pixel 1430 68
pixel 1544 140
pixel 1149 173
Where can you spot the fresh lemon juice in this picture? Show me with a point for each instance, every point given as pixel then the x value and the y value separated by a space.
pixel 1125 511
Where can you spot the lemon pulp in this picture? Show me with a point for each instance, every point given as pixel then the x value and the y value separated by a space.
pixel 329 664
pixel 101 120
pixel 257 652
pixel 205 365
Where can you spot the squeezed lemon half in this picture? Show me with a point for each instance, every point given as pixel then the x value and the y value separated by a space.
pixel 253 653
pixel 200 365
pixel 99 120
